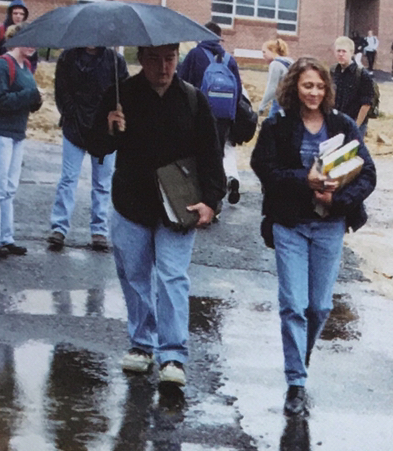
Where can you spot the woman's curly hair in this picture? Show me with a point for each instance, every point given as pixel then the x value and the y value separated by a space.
pixel 287 93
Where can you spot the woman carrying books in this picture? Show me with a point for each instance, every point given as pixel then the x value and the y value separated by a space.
pixel 308 245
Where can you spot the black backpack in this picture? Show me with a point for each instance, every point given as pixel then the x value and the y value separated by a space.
pixel 243 129
pixel 373 112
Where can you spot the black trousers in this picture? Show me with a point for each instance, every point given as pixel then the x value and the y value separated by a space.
pixel 370 58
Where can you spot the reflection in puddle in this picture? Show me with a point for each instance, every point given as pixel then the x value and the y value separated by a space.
pixel 296 435
pixel 57 397
pixel 92 302
pixel 62 397
pixel 343 320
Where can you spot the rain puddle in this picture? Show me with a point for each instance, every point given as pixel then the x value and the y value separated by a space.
pixel 57 396
pixel 343 320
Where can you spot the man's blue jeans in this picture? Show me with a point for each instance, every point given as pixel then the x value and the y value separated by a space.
pixel 101 181
pixel 308 259
pixel 152 266
pixel 11 155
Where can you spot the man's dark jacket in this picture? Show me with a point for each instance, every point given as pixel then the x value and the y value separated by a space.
pixel 159 130
pixel 353 89
pixel 288 198
pixel 80 82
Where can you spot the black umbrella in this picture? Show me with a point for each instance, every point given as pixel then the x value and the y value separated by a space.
pixel 108 24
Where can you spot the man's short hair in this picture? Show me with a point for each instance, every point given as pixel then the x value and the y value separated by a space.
pixel 171 46
pixel 345 42
pixel 212 26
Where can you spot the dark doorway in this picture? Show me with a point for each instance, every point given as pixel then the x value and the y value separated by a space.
pixel 361 16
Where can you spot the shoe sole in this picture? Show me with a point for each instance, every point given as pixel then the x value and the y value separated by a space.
pixel 180 381
pixel 56 241
pixel 234 195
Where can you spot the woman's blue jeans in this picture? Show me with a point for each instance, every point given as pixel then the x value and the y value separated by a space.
pixel 308 259
pixel 11 155
pixel 152 266
pixel 101 181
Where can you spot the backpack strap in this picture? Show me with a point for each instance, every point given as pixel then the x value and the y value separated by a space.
pixel 11 67
pixel 284 62
pixel 2 31
pixel 192 98
pixel 209 54
pixel 225 59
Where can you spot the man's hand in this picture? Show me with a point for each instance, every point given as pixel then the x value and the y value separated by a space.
pixel 116 117
pixel 206 213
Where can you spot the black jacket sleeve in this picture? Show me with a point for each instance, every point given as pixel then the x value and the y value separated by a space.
pixel 100 142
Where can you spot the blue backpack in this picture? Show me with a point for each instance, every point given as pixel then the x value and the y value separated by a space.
pixel 220 87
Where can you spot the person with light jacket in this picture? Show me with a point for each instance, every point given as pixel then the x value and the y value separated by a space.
pixel 275 53
pixel 308 246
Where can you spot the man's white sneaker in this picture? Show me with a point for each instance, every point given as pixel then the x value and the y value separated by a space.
pixel 137 360
pixel 172 371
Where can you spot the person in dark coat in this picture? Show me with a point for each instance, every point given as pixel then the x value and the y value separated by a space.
pixel 152 257
pixel 193 68
pixel 308 240
pixel 82 76
pixel 17 12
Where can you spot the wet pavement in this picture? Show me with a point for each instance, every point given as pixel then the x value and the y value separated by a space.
pixel 63 332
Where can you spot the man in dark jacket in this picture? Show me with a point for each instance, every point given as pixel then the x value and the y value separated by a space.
pixel 192 70
pixel 17 12
pixel 82 76
pixel 354 86
pixel 152 259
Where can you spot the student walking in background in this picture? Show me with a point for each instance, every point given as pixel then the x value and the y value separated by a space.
pixel 18 97
pixel 354 86
pixel 275 53
pixel 17 12
pixel 193 71
pixel 371 50
pixel 82 76
pixel 308 246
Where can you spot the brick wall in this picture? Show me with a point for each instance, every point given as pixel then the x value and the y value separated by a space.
pixel 198 10
pixel 320 22
pixel 385 35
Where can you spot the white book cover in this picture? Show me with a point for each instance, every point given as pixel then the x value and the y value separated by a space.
pixel 326 147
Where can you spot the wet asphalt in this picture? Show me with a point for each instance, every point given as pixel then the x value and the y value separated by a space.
pixel 63 332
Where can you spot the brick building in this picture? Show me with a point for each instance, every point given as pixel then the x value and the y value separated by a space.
pixel 309 26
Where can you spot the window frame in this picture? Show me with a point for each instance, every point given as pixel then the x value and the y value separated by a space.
pixel 226 20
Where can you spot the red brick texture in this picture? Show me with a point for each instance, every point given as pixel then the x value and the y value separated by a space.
pixel 319 23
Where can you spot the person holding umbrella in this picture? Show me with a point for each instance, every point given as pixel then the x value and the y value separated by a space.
pixel 151 257
pixel 82 76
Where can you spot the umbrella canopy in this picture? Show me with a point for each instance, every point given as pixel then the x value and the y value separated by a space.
pixel 110 23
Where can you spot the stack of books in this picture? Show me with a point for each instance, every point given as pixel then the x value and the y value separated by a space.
pixel 339 162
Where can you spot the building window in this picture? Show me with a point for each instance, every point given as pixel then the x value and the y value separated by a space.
pixel 284 12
